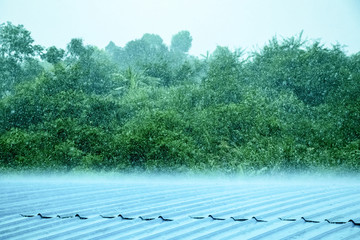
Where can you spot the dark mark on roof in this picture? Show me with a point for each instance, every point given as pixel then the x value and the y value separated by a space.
pixel 107 216
pixel 258 220
pixel 332 222
pixel 215 218
pixel 288 219
pixel 309 221
pixel 125 218
pixel 146 219
pixel 165 219
pixel 355 223
pixel 42 216
pixel 63 217
pixel 239 219
pixel 24 215
pixel 80 217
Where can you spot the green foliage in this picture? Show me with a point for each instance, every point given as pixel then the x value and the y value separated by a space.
pixel 312 72
pixel 159 70
pixel 181 41
pixel 224 76
pixel 76 48
pixel 11 73
pixel 17 53
pixel 155 141
pixel 146 50
pixel 16 42
pixel 115 53
pixel 53 55
pixel 291 106
pixel 18 149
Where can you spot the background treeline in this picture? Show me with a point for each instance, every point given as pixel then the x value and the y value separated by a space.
pixel 291 106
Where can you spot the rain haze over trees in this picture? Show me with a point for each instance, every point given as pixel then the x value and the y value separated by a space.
pixel 292 105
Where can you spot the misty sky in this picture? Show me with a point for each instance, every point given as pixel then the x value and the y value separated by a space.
pixel 234 23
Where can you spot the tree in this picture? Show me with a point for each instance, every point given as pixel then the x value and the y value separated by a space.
pixel 181 41
pixel 54 55
pixel 16 51
pixel 312 72
pixel 154 42
pixel 16 43
pixel 89 68
pixel 223 77
pixel 76 48
pixel 116 53
pixel 142 52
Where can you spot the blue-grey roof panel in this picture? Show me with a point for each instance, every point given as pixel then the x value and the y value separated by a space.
pixel 190 209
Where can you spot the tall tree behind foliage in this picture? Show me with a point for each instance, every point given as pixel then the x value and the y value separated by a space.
pixel 181 42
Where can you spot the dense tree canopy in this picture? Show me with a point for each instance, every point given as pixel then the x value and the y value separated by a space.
pixel 292 105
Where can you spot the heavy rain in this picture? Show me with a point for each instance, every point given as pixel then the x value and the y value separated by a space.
pixel 293 105
pixel 156 129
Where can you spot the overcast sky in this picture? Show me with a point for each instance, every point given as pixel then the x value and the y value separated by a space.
pixel 234 23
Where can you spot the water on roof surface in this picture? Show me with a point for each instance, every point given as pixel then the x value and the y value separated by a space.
pixel 267 209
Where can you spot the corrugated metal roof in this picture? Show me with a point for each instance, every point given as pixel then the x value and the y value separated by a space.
pixel 241 209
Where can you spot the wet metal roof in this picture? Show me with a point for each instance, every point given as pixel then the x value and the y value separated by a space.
pixel 151 208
